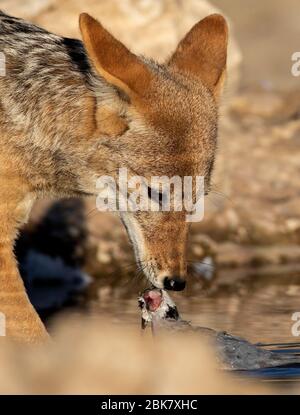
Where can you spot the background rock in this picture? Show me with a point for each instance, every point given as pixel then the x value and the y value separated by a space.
pixel 149 27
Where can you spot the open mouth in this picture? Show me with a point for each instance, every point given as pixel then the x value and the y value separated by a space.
pixel 153 299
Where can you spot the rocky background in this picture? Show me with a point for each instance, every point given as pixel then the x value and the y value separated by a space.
pixel 253 213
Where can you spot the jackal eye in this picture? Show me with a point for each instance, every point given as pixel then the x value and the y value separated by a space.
pixel 155 195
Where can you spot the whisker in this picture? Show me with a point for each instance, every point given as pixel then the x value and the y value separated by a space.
pixel 213 202
pixel 215 188
pixel 200 262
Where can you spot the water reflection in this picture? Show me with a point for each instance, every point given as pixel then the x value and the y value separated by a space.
pixel 256 306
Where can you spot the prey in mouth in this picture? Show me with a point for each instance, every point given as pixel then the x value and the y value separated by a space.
pixel 160 312
pixel 157 308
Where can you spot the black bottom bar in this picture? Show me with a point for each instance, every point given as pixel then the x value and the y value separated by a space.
pixel 125 404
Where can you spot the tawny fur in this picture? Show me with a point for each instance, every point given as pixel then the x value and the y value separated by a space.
pixel 71 112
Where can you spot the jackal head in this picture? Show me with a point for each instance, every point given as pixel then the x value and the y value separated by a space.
pixel 163 123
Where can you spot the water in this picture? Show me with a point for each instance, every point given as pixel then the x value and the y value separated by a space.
pixel 257 306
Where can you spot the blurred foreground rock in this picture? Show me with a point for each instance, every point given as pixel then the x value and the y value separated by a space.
pixel 96 364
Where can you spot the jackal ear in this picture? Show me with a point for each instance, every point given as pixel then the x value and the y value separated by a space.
pixel 203 52
pixel 112 60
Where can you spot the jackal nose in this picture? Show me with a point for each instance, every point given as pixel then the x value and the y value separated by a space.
pixel 174 283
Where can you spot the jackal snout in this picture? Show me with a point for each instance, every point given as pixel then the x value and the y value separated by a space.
pixel 159 240
pixel 174 283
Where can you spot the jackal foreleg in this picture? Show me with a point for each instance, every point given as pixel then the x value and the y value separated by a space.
pixel 21 320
